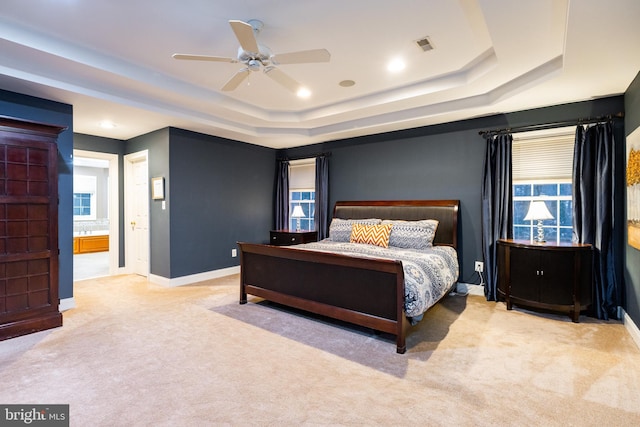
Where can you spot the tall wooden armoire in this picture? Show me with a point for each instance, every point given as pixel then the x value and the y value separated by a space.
pixel 28 227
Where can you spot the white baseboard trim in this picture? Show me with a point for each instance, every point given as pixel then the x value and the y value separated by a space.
pixel 193 278
pixel 469 289
pixel 67 304
pixel 631 327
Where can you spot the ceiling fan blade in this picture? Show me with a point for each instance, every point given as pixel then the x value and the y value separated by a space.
pixel 282 78
pixel 203 58
pixel 235 81
pixel 245 35
pixel 303 56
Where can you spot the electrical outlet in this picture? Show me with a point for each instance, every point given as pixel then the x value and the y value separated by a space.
pixel 234 253
pixel 479 266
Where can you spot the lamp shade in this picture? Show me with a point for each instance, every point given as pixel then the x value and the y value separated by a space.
pixel 537 211
pixel 297 212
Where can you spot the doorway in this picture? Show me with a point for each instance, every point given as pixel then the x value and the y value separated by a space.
pixel 96 214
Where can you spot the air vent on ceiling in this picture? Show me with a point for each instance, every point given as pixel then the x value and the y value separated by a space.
pixel 424 44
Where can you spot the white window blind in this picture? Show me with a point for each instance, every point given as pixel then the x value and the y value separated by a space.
pixel 542 157
pixel 302 174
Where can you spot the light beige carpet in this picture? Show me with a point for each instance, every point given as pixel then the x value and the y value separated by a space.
pixel 136 354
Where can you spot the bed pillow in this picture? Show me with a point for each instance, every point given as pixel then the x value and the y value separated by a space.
pixel 412 234
pixel 340 229
pixel 371 234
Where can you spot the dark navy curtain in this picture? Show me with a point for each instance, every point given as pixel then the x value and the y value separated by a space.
pixel 497 205
pixel 593 211
pixel 282 195
pixel 322 196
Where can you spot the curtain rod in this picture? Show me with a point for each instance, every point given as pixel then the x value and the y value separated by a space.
pixel 553 125
pixel 306 156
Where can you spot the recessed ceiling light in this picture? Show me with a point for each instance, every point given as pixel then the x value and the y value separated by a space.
pixel 303 92
pixel 106 124
pixel 347 83
pixel 396 65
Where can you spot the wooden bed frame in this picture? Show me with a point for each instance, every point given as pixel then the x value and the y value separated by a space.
pixel 365 292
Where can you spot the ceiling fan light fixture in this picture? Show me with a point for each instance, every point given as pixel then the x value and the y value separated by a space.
pixel 253 65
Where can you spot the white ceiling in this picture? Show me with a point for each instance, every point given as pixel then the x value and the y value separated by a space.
pixel 111 59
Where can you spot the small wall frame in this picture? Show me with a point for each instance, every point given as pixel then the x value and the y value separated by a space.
pixel 157 188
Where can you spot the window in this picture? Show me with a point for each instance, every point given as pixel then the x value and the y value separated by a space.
pixel 557 197
pixel 307 200
pixel 82 204
pixel 542 169
pixel 302 192
pixel 84 197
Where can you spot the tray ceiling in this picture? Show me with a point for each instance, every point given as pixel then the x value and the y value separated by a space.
pixel 112 61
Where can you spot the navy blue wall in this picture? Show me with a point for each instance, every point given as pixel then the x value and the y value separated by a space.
pixel 157 144
pixel 217 192
pixel 443 162
pixel 221 192
pixel 632 261
pixel 110 146
pixel 54 113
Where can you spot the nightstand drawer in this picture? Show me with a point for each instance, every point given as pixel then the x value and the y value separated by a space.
pixel 286 237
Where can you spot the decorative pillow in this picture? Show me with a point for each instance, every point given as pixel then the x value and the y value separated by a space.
pixel 340 229
pixel 371 234
pixel 412 234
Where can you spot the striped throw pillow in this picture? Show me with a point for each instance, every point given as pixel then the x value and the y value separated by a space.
pixel 371 234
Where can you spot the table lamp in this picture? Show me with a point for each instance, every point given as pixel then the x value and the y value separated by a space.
pixel 538 212
pixel 297 214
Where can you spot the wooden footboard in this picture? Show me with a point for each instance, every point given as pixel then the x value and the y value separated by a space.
pixel 361 291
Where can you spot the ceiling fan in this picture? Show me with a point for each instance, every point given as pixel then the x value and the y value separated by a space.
pixel 256 56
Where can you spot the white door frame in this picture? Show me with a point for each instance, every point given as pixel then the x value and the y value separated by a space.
pixel 129 159
pixel 114 207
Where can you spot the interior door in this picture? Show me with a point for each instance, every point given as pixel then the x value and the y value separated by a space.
pixel 137 225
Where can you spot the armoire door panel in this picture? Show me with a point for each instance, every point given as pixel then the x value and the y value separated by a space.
pixel 28 227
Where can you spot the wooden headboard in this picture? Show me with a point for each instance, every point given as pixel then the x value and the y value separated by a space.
pixel 445 211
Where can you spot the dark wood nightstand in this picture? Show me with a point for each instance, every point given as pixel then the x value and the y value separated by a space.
pixel 546 276
pixel 292 237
